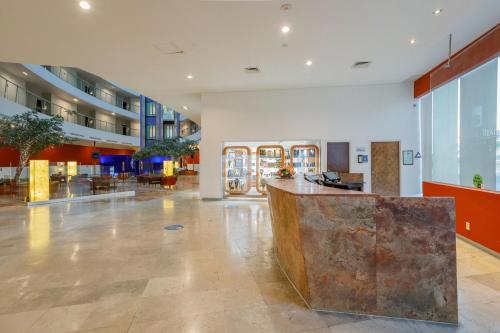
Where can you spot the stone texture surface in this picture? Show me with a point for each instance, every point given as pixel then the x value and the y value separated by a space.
pixel 367 254
pixel 287 243
pixel 338 241
pixel 416 258
pixel 299 186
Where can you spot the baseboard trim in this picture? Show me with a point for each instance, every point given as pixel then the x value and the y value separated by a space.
pixel 479 246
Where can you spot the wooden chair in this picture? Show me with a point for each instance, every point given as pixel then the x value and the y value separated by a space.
pixel 169 181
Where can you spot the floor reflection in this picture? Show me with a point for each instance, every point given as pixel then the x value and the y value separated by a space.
pixel 39 228
pixel 109 266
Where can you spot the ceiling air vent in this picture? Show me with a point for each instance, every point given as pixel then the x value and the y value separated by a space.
pixel 252 70
pixel 168 48
pixel 361 64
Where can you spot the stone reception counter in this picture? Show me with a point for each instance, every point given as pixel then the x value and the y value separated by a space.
pixel 355 252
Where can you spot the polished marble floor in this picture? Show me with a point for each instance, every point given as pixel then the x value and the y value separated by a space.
pixel 109 266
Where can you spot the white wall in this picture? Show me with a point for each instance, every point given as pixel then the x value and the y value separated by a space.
pixel 358 114
pixel 110 120
pixel 61 102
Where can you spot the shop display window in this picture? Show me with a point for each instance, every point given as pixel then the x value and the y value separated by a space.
pixel 237 170
pixel 269 160
pixel 305 159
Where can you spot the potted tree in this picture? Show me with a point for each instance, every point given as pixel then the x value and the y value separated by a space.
pixel 29 134
pixel 175 148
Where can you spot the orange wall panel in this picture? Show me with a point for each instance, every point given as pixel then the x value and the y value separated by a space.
pixel 422 85
pixel 64 153
pixel 479 207
pixel 193 160
pixel 481 50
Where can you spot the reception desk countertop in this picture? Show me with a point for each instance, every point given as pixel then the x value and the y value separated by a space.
pixel 301 186
pixel 349 251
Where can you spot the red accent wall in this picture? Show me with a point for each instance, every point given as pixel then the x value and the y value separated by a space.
pixel 193 160
pixel 481 50
pixel 479 207
pixel 64 153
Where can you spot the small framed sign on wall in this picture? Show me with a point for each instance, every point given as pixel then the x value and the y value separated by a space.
pixel 407 157
pixel 362 158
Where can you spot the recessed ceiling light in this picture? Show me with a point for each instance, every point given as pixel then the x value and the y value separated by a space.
pixel 309 63
pixel 185 107
pixel 285 29
pixel 85 5
pixel 413 41
pixel 286 6
pixel 189 77
pixel 25 74
pixel 438 11
pixel 75 99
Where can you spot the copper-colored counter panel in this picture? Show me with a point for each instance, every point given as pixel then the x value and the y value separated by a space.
pixel 387 256
pixel 339 237
pixel 416 258
pixel 287 242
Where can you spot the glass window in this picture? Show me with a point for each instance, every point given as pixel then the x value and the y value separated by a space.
pixel 168 131
pixel 150 132
pixel 445 134
pixel 460 127
pixel 426 126
pixel 150 109
pixel 478 125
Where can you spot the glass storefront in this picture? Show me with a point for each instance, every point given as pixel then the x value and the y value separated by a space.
pixel 247 166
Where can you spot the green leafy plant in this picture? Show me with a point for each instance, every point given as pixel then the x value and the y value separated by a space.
pixel 29 134
pixel 175 148
pixel 477 180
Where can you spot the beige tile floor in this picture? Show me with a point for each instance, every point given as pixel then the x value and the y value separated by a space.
pixel 109 266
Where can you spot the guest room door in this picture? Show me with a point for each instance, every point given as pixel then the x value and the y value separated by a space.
pixel 385 168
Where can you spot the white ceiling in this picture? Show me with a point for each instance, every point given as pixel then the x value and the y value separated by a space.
pixel 122 40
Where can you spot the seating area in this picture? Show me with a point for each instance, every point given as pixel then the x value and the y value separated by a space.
pixel 153 180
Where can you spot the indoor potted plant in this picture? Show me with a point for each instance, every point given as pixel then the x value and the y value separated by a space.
pixel 286 172
pixel 477 180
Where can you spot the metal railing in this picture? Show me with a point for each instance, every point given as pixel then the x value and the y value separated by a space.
pixel 91 89
pixel 190 129
pixel 15 93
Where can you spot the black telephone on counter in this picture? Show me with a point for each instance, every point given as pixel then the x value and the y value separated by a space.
pixel 331 176
pixel 313 178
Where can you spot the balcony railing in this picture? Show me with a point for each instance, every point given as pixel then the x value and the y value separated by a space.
pixel 189 130
pixel 15 93
pixel 91 89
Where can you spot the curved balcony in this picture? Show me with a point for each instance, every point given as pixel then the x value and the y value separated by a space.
pixel 84 90
pixel 193 137
pixel 17 94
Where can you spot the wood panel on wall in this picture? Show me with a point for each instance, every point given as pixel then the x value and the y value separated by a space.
pixel 385 168
pixel 338 156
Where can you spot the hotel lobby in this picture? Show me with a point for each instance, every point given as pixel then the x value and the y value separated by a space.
pixel 250 166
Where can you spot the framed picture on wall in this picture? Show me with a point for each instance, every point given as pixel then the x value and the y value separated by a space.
pixel 407 157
